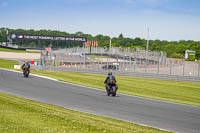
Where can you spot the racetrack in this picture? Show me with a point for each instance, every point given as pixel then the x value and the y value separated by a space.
pixel 169 116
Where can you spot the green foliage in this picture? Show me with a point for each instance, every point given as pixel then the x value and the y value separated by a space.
pixel 3 36
pixel 177 55
pixel 191 56
pixel 121 36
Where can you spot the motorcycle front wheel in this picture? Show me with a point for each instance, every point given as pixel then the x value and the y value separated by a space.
pixel 108 92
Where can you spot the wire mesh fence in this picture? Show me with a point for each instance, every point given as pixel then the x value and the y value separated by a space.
pixel 123 61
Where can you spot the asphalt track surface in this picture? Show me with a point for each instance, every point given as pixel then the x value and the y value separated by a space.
pixel 163 115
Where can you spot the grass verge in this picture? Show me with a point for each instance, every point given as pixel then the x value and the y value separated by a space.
pixel 96 57
pixel 173 91
pixel 16 51
pixel 8 64
pixel 23 115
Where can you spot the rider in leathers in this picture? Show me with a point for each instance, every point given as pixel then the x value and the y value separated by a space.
pixel 107 81
pixel 26 64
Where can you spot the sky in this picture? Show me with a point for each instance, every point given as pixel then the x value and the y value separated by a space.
pixel 171 20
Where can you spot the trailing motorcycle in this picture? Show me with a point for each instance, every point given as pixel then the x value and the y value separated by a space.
pixel 112 88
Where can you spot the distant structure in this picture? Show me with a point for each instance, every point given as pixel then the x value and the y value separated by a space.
pixel 190 55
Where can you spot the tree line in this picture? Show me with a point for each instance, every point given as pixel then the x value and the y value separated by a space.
pixel 174 49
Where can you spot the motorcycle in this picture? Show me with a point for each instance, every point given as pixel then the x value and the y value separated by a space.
pixel 26 71
pixel 111 89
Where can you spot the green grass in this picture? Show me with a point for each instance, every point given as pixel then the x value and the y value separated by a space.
pixel 96 57
pixel 19 115
pixel 16 51
pixel 173 91
pixel 8 64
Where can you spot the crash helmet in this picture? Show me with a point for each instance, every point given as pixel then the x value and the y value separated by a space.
pixel 110 73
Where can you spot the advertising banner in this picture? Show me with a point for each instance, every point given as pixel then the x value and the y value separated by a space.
pixel 48 38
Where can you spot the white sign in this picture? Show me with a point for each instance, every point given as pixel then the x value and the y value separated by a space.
pixel 17 67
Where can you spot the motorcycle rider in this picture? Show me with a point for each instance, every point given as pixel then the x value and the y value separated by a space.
pixel 108 83
pixel 26 64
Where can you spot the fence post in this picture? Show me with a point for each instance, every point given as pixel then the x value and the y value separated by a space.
pixel 158 66
pixel 101 64
pixel 183 68
pixel 107 61
pixel 90 64
pixel 123 66
pixel 86 66
pixel 129 60
pixel 199 70
pixel 145 65
pixel 98 64
pixel 84 57
pixel 170 67
pixel 62 66
pixel 134 66
pixel 76 68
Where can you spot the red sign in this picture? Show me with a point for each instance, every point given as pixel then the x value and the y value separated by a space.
pixel 48 49
pixel 87 44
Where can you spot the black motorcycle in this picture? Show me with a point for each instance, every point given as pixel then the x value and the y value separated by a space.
pixel 112 88
pixel 26 71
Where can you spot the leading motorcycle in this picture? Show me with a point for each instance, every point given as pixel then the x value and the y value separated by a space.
pixel 26 71
pixel 111 88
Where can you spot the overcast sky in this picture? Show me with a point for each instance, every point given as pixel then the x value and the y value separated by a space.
pixel 166 19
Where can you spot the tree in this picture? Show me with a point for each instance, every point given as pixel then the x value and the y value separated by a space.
pixel 121 36
pixel 79 33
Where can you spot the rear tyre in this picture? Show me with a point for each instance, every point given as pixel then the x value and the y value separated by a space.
pixel 26 74
pixel 113 91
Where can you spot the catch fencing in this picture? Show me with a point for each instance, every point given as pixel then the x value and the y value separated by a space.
pixel 124 62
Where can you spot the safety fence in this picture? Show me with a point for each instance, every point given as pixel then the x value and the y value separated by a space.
pixel 137 63
pixel 120 73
